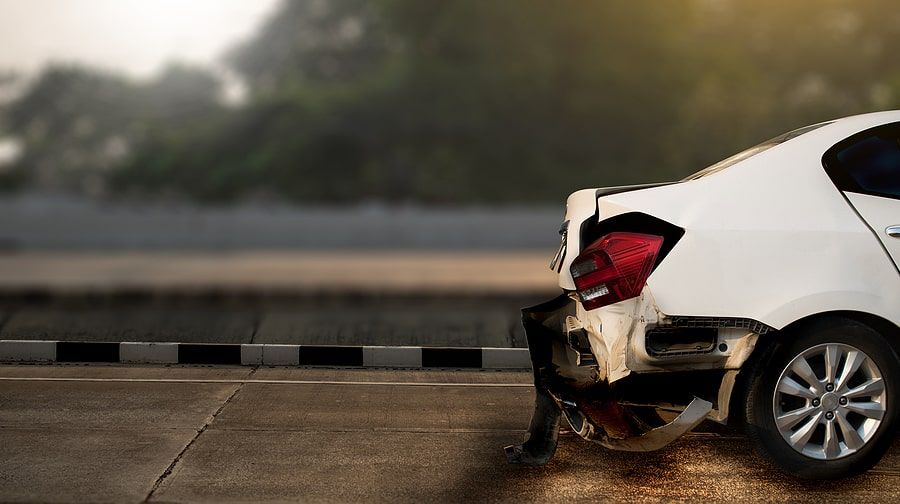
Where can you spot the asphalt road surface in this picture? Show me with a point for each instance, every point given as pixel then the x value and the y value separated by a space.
pixel 188 434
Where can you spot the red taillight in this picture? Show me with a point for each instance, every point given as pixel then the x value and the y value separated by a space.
pixel 614 268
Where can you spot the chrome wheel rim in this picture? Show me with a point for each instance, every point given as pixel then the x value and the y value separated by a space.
pixel 829 401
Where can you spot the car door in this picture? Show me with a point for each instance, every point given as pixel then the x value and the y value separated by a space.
pixel 866 167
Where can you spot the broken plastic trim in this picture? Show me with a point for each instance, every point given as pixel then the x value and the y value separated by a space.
pixel 543 431
pixel 720 323
pixel 589 405
pixel 542 437
pixel 654 439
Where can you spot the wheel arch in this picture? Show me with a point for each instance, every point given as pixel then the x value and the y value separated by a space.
pixel 768 342
pixel 889 330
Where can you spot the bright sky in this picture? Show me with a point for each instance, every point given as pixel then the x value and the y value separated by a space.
pixel 131 36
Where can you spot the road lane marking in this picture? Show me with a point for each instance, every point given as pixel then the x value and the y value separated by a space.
pixel 266 382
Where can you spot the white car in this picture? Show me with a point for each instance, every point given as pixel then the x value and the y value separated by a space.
pixel 763 290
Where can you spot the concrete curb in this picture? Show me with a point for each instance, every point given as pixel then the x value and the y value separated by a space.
pixel 263 354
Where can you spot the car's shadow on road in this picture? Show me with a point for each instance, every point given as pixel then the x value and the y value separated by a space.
pixel 708 467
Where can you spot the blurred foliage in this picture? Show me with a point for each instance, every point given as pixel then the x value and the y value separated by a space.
pixel 465 100
pixel 79 126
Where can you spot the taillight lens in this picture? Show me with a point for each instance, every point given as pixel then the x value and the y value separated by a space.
pixel 614 268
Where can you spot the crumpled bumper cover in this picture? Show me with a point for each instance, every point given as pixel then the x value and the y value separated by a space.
pixel 567 387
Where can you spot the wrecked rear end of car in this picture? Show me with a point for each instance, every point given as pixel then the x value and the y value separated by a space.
pixel 689 367
pixel 606 360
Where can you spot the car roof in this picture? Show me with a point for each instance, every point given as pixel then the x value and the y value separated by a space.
pixel 844 127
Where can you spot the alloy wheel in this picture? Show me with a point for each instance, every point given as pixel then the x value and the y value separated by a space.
pixel 829 401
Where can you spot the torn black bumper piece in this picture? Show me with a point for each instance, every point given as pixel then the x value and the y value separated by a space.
pixel 565 387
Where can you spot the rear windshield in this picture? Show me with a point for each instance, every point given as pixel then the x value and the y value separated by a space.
pixel 752 151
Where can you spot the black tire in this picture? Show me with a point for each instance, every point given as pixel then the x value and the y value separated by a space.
pixel 760 394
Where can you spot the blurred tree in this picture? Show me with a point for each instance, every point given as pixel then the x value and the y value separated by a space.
pixel 181 91
pixel 463 101
pixel 78 124
pixel 11 175
pixel 764 67
pixel 532 99
pixel 314 41
pixel 74 124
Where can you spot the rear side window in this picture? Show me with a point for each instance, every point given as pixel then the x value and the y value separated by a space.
pixel 868 162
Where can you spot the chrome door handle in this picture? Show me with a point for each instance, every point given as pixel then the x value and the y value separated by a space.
pixel 893 231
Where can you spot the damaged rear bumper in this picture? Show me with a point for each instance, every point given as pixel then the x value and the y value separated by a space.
pixel 570 384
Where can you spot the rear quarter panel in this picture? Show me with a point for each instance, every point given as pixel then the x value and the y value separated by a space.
pixel 769 239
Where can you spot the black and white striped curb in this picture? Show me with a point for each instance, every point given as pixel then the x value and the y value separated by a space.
pixel 264 354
